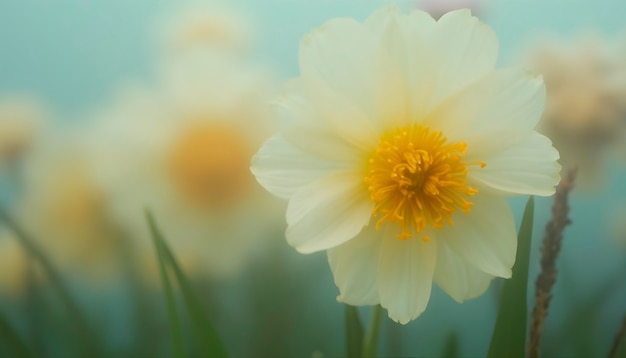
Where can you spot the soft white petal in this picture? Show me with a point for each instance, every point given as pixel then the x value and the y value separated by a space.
pixel 437 59
pixel 405 275
pixel 302 124
pixel 328 212
pixel 456 277
pixel 323 143
pixel 347 58
pixel 465 50
pixel 492 111
pixel 282 169
pixel 330 109
pixel 528 167
pixel 485 237
pixel 354 266
pixel 406 38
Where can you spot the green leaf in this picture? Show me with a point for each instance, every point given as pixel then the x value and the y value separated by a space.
pixel 15 344
pixel 203 327
pixel 178 346
pixel 206 334
pixel 621 349
pixel 451 346
pixel 509 334
pixel 354 332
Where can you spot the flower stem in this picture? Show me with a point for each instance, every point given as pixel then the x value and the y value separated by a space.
pixel 370 343
pixel 549 254
pixel 354 332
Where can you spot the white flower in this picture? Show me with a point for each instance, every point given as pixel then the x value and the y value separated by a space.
pixel 183 150
pixel 63 207
pixel 585 112
pixel 20 119
pixel 399 143
pixel 200 27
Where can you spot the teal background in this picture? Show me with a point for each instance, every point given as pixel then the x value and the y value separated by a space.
pixel 75 53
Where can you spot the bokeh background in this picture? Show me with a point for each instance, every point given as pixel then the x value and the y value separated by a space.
pixel 96 95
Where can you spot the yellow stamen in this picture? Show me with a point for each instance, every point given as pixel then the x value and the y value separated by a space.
pixel 417 179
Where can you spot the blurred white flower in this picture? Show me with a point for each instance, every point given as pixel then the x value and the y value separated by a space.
pixel 201 27
pixel 585 112
pixel 65 209
pixel 183 150
pixel 20 119
pixel 399 143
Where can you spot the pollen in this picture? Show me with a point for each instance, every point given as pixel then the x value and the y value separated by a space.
pixel 417 179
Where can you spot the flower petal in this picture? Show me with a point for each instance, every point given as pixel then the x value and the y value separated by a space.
pixel 528 167
pixel 437 58
pixel 406 38
pixel 282 169
pixel 354 266
pixel 405 274
pixel 492 111
pixel 323 143
pixel 347 58
pixel 310 106
pixel 457 278
pixel 485 237
pixel 465 50
pixel 328 212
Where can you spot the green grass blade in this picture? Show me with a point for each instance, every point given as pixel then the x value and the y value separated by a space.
pixel 178 346
pixel 354 332
pixel 143 317
pixel 206 335
pixel 451 346
pixel 87 339
pixel 13 341
pixel 509 334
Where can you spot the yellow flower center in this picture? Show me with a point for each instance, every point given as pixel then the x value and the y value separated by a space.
pixel 71 209
pixel 209 165
pixel 417 179
pixel 71 200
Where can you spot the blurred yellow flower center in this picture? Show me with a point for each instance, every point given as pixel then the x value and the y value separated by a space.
pixel 417 179
pixel 73 202
pixel 71 209
pixel 209 165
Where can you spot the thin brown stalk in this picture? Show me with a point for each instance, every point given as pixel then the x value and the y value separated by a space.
pixel 549 254
pixel 620 338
